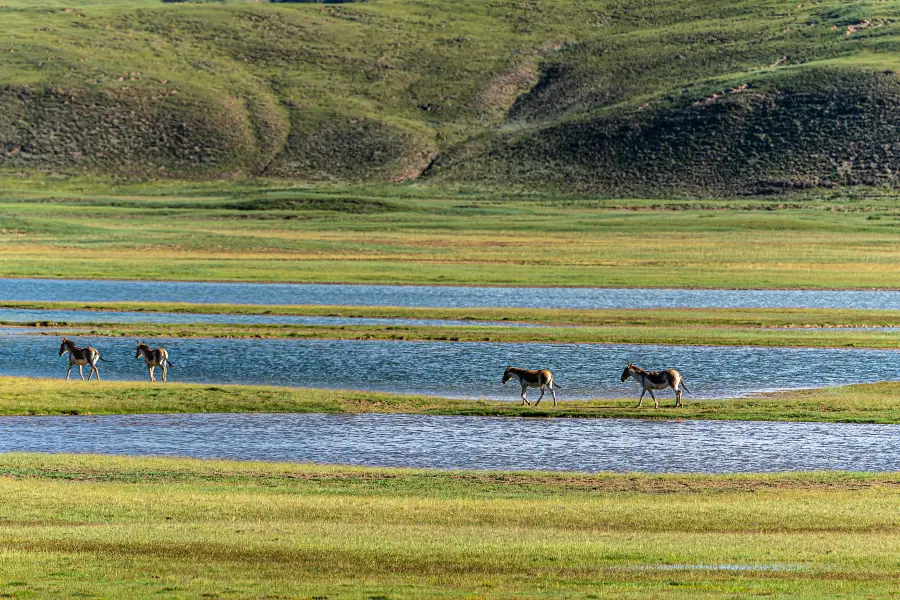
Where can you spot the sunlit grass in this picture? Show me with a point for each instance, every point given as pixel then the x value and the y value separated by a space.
pixel 831 328
pixel 452 239
pixel 120 527
pixel 869 403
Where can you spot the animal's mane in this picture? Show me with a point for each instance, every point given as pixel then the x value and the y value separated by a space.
pixel 637 369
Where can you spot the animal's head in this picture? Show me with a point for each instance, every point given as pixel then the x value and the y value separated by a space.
pixel 140 349
pixel 507 375
pixel 627 372
pixel 64 347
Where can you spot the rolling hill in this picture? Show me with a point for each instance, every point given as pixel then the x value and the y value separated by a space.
pixel 627 97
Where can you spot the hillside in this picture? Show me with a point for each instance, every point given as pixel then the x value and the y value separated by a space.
pixel 637 97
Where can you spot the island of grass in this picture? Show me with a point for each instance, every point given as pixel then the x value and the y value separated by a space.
pixel 867 403
pixel 91 526
pixel 824 328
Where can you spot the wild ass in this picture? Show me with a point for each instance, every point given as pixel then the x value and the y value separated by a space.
pixel 655 380
pixel 81 357
pixel 154 358
pixel 532 378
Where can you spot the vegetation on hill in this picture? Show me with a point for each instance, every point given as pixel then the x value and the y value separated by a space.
pixel 641 97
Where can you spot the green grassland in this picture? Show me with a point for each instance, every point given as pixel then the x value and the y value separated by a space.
pixel 726 327
pixel 668 317
pixel 646 97
pixel 410 234
pixel 146 528
pixel 682 336
pixel 870 403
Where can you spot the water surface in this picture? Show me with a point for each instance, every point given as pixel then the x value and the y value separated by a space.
pixel 589 445
pixel 434 296
pixel 461 370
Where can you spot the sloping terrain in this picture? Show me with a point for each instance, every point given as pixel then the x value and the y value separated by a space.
pixel 638 97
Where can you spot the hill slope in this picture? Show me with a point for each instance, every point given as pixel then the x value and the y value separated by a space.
pixel 640 97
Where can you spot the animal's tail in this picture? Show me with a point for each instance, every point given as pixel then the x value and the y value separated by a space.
pixel 554 384
pixel 103 359
pixel 684 385
pixel 168 362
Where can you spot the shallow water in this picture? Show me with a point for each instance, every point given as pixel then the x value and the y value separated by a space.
pixel 11 315
pixel 435 296
pixel 589 445
pixel 460 370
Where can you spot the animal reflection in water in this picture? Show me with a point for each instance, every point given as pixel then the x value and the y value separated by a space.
pixel 154 358
pixel 81 357
pixel 655 380
pixel 532 378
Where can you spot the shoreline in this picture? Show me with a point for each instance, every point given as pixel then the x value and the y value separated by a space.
pixel 877 403
pixel 462 285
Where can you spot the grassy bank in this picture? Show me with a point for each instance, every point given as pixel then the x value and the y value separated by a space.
pixel 668 317
pixel 142 528
pixel 831 328
pixel 421 236
pixel 871 403
pixel 681 336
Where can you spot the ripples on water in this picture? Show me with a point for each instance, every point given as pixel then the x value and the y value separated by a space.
pixel 435 296
pixel 589 445
pixel 461 370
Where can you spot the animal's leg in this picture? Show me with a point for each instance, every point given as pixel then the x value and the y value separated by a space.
pixel 97 371
pixel 655 401
pixel 553 392
pixel 524 399
pixel 69 371
pixel 81 371
pixel 539 397
pixel 91 373
pixel 677 397
pixel 152 376
pixel 164 370
pixel 641 399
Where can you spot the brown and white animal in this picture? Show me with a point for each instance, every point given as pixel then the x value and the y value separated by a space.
pixel 81 357
pixel 154 358
pixel 532 378
pixel 655 380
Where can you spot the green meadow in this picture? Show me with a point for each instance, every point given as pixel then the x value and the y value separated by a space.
pixel 868 403
pixel 656 334
pixel 414 235
pixel 91 526
pixel 606 143
pixel 825 328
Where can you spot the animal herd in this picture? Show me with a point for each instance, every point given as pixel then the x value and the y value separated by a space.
pixel 649 381
pixel 81 357
pixel 527 378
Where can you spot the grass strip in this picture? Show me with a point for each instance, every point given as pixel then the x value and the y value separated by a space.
pixel 682 336
pixel 146 528
pixel 659 317
pixel 866 403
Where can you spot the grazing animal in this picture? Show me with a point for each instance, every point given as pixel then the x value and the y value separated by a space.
pixel 655 380
pixel 81 357
pixel 154 358
pixel 532 378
